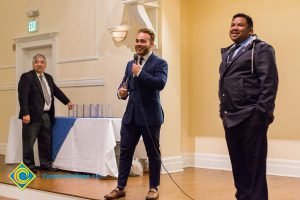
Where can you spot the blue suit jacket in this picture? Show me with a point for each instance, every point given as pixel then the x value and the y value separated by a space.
pixel 144 92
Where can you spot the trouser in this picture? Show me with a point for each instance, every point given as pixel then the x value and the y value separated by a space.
pixel 247 146
pixel 130 135
pixel 42 131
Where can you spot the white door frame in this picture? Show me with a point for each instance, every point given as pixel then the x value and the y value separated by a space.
pixel 24 44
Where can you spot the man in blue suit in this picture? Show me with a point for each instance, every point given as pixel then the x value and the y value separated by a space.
pixel 145 77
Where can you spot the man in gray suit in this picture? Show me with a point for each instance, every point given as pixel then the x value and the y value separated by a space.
pixel 247 91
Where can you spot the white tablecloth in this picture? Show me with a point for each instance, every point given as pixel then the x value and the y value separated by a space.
pixel 88 147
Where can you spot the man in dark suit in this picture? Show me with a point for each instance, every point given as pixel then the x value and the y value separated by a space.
pixel 36 98
pixel 247 91
pixel 145 77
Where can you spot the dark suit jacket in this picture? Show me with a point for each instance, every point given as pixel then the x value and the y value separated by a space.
pixel 144 91
pixel 31 98
pixel 241 91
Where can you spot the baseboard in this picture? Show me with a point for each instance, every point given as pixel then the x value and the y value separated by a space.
pixel 3 148
pixel 188 160
pixel 278 167
pixel 172 164
pixel 290 168
pixel 11 191
pixel 212 161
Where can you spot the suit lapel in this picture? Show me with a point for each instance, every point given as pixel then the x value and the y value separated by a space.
pixel 148 62
pixel 225 65
pixel 241 52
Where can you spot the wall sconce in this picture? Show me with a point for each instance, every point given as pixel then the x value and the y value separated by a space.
pixel 119 33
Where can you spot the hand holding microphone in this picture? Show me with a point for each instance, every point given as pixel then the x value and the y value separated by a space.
pixel 136 68
pixel 123 91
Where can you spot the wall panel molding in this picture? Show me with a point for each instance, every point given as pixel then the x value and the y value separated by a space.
pixel 7 86
pixel 81 82
pixel 86 82
pixel 96 35
pixel 7 67
pixel 73 60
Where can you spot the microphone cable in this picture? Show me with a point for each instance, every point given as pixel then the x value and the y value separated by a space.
pixel 156 150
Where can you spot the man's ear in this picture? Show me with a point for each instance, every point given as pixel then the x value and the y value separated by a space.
pixel 152 44
pixel 251 31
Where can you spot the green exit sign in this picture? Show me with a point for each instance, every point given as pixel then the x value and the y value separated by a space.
pixel 33 26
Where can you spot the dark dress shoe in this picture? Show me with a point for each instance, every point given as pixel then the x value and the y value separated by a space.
pixel 48 169
pixel 115 194
pixel 152 194
pixel 34 170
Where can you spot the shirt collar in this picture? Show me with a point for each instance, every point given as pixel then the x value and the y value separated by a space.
pixel 146 56
pixel 247 41
pixel 244 43
pixel 38 75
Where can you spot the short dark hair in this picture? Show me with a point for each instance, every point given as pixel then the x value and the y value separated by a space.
pixel 149 31
pixel 247 17
pixel 38 56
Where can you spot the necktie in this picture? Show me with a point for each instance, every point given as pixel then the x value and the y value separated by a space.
pixel 141 60
pixel 45 92
pixel 231 53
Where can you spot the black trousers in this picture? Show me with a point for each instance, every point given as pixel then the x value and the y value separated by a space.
pixel 247 146
pixel 130 135
pixel 42 131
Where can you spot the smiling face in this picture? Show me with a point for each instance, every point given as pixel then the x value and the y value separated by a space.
pixel 240 30
pixel 143 44
pixel 39 64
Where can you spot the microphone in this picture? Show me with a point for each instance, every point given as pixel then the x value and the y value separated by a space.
pixel 135 58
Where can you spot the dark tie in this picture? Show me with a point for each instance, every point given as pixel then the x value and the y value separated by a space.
pixel 45 92
pixel 141 60
pixel 231 53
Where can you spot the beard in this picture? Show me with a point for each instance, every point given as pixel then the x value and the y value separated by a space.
pixel 142 50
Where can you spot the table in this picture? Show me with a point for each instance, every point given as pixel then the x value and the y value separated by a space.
pixel 87 147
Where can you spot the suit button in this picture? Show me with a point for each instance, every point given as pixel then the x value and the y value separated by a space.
pixel 223 95
pixel 225 112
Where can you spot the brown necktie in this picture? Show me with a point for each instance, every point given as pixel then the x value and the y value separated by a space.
pixel 45 92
